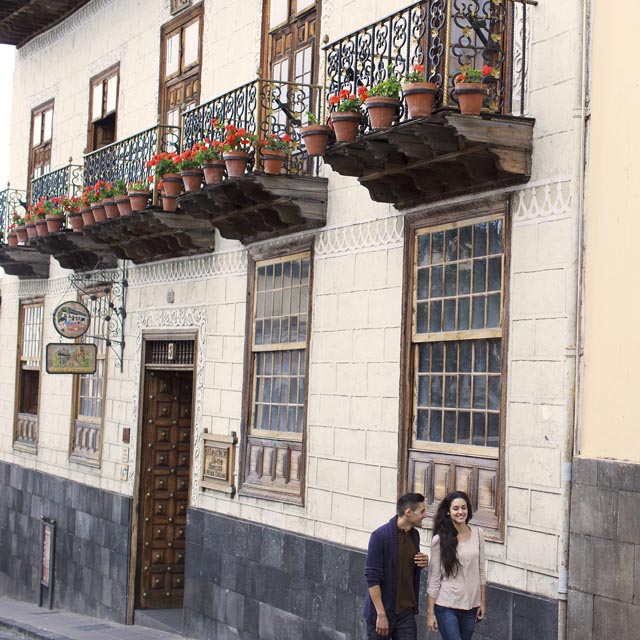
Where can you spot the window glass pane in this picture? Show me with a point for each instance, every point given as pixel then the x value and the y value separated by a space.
pixel 303 66
pixel 495 237
pixel 47 126
pixel 449 426
pixel 112 93
pixel 304 4
pixel 192 43
pixel 480 239
pixel 96 102
pixel 278 12
pixel 172 55
pixel 424 257
pixel 451 245
pixel 37 130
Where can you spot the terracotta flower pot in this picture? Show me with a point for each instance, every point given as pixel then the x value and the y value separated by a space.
pixel 99 214
pixel 172 183
pixel 110 207
pixel 272 161
pixel 213 171
pixel 381 110
pixel 192 179
pixel 31 230
pixel 124 205
pixel 41 228
pixel 138 200
pixel 87 215
pixel 420 97
pixel 345 125
pixel 54 223
pixel 236 163
pixel 169 203
pixel 22 233
pixel 76 220
pixel 315 138
pixel 12 239
pixel 470 97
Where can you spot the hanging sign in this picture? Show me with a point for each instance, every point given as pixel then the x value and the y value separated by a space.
pixel 71 358
pixel 71 319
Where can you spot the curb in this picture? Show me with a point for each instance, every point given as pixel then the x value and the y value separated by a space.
pixel 29 631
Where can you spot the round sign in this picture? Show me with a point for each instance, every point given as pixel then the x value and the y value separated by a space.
pixel 71 319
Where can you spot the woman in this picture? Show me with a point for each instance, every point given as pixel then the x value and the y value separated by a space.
pixel 457 579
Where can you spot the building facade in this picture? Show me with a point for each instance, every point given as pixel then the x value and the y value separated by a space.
pixel 275 367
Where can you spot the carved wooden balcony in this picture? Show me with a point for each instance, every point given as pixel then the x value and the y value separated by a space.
pixel 74 250
pixel 259 206
pixel 154 234
pixel 25 262
pixel 442 156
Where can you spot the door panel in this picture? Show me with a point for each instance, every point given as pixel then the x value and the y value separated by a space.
pixel 165 473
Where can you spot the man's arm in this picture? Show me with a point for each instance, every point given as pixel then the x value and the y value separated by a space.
pixel 382 622
pixel 374 575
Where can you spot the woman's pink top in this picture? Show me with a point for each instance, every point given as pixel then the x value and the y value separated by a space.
pixel 461 591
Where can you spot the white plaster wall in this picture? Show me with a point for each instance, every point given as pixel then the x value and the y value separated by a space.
pixel 354 374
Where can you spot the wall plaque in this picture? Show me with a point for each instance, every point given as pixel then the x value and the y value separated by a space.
pixel 71 319
pixel 71 358
pixel 219 462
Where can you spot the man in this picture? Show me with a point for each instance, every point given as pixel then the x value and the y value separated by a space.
pixel 392 571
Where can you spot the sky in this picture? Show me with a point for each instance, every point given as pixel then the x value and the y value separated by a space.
pixel 6 73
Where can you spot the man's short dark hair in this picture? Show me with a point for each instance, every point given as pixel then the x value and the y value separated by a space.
pixel 409 501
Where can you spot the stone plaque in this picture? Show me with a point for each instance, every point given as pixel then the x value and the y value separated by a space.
pixel 219 462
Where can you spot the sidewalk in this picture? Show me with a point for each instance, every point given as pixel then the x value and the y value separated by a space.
pixel 43 624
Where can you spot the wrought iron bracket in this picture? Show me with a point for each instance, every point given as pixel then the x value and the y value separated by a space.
pixel 110 323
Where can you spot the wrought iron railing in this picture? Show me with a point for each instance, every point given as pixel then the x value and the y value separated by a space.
pixel 11 200
pixel 445 36
pixel 263 107
pixel 126 159
pixel 66 181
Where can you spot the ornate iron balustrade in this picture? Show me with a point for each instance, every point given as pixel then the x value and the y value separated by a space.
pixel 66 181
pixel 445 36
pixel 11 200
pixel 263 107
pixel 126 159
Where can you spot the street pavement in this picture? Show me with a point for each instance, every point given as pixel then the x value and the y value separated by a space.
pixel 21 620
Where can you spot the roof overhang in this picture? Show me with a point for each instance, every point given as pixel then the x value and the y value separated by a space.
pixel 23 20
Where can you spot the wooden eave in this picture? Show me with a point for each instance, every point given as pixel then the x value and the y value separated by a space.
pixel 444 155
pixel 23 20
pixel 74 250
pixel 153 234
pixel 25 262
pixel 259 206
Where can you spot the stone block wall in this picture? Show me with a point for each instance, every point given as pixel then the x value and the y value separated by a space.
pixel 604 559
pixel 248 581
pixel 91 548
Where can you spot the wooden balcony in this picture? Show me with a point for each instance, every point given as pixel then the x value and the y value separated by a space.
pixel 259 206
pixel 74 250
pixel 445 155
pixel 153 234
pixel 25 262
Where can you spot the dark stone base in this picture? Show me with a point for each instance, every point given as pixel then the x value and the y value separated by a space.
pixel 604 554
pixel 247 581
pixel 91 548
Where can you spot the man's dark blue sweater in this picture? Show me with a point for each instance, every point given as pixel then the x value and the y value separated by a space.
pixel 381 567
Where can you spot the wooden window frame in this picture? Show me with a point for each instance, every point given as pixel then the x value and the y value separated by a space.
pixel 26 445
pixel 102 78
pixel 76 419
pixel 453 455
pixel 178 23
pixel 274 444
pixel 36 111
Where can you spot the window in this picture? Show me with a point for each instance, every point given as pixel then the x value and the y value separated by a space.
pixel 90 389
pixel 180 66
pixel 456 359
pixel 41 135
pixel 276 391
pixel 29 363
pixel 103 107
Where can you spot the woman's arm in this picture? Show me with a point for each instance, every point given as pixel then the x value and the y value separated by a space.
pixel 483 578
pixel 433 584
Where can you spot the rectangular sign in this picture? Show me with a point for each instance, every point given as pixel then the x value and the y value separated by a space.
pixel 46 554
pixel 219 462
pixel 71 357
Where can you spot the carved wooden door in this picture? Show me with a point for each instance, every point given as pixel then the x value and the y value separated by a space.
pixel 165 473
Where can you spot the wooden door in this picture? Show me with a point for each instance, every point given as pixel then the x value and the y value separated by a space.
pixel 165 473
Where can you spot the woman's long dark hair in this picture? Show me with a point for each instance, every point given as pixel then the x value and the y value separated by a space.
pixel 445 528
